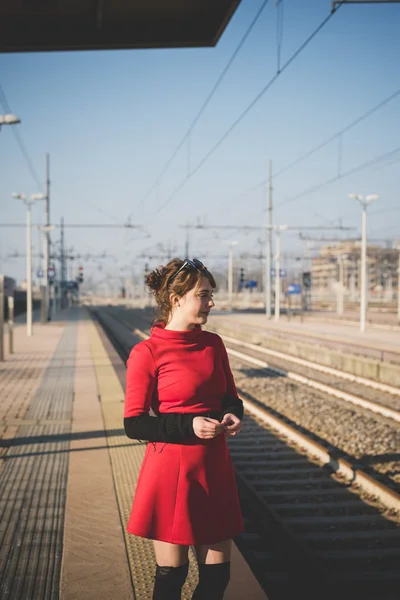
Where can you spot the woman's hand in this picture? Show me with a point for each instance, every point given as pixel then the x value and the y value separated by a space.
pixel 232 424
pixel 206 428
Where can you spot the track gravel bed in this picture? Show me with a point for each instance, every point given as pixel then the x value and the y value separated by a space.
pixel 372 440
pixel 368 393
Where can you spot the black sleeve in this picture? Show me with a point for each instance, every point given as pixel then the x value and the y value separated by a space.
pixel 234 406
pixel 172 428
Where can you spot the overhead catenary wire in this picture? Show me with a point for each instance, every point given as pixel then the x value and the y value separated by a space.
pixel 385 210
pixel 205 103
pixel 247 110
pixel 279 32
pixel 355 122
pixel 378 159
pixel 318 186
pixel 319 146
pixel 371 212
pixel 18 137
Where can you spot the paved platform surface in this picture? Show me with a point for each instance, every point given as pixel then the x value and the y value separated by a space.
pixel 68 474
pixel 385 339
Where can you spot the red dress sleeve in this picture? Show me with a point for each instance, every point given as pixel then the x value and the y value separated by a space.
pixel 141 379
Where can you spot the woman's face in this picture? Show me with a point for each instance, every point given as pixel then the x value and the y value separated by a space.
pixel 196 304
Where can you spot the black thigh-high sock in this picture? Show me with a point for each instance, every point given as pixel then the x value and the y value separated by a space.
pixel 213 581
pixel 169 581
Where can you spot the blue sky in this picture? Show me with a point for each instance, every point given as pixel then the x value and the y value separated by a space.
pixel 111 120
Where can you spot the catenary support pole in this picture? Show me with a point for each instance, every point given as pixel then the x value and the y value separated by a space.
pixel 1 318
pixel 28 272
pixel 187 243
pixel 277 274
pixel 11 324
pixel 268 248
pixel 398 288
pixel 340 297
pixel 47 237
pixel 62 266
pixel 363 290
pixel 230 277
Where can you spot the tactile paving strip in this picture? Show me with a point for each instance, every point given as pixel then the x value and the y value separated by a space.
pixel 32 490
pixel 126 458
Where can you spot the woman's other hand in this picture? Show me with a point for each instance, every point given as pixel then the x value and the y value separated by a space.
pixel 231 423
pixel 206 428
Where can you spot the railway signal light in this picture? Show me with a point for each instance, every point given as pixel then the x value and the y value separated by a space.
pixel 307 280
pixel 80 275
pixel 241 278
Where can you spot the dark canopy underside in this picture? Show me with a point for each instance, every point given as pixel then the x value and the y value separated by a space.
pixel 45 25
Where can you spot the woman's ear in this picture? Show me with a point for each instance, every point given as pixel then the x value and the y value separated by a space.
pixel 174 299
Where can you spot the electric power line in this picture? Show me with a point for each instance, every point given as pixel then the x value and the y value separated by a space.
pixel 206 102
pixel 339 133
pixel 17 135
pixel 80 225
pixel 318 147
pixel 248 109
pixel 337 177
pixel 385 210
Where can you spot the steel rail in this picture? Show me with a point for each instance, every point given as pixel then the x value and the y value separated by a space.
pixel 382 387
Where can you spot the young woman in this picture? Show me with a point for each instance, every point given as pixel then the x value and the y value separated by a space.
pixel 186 492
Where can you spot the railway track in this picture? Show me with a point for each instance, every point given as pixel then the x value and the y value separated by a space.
pixel 350 388
pixel 315 524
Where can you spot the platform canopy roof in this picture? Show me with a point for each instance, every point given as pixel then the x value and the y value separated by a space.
pixel 45 25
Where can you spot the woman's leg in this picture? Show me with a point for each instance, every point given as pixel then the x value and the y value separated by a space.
pixel 171 570
pixel 214 570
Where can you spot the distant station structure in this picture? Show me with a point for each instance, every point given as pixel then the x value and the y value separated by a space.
pixel 45 25
pixel 382 268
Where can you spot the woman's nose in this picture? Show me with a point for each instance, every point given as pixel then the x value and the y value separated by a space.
pixel 211 302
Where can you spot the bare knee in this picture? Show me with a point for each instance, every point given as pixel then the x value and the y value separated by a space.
pixel 214 553
pixel 170 555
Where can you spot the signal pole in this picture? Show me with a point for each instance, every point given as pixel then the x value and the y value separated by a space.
pixel 62 264
pixel 268 248
pixel 47 241
pixel 187 244
pixel 230 273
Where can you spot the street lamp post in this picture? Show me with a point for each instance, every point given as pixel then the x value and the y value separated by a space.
pixel 9 120
pixel 363 295
pixel 28 203
pixel 398 287
pixel 278 229
pixel 341 286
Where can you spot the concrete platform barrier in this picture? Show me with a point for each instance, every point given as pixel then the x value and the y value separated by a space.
pixel 350 363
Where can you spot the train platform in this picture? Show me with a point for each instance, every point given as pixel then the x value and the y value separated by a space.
pixel 385 339
pixel 68 473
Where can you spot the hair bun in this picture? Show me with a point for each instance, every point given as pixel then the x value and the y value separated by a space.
pixel 155 279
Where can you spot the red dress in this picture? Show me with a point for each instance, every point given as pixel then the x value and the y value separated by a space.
pixel 186 493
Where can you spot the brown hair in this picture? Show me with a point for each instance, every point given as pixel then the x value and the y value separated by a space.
pixel 159 281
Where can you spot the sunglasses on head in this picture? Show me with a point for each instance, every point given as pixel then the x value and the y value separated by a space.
pixel 190 263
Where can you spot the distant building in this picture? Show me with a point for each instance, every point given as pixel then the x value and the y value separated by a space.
pixel 382 266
